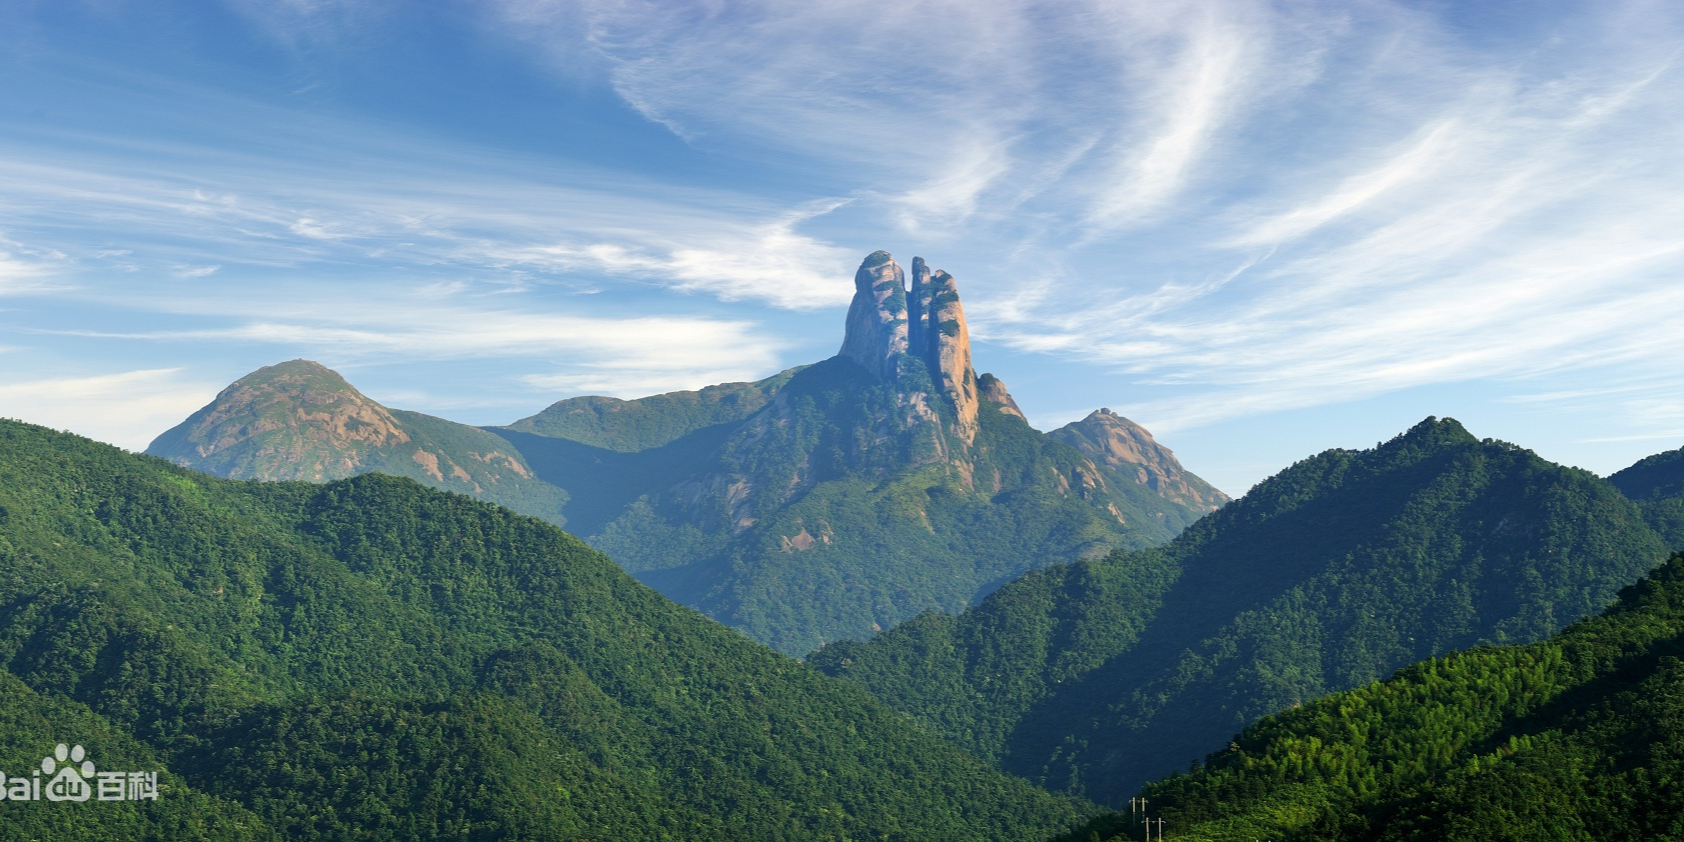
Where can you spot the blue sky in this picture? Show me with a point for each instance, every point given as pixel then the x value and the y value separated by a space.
pixel 1259 229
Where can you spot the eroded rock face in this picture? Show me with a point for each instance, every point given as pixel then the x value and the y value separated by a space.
pixel 300 420
pixel 949 342
pixel 1129 451
pixel 991 389
pixel 876 335
pixel 889 325
pixel 297 420
pixel 918 300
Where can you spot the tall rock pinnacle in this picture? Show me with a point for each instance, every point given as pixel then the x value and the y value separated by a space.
pixel 886 321
pixel 918 309
pixel 947 344
pixel 876 335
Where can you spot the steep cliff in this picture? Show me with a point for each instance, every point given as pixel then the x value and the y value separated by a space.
pixel 906 336
pixel 876 336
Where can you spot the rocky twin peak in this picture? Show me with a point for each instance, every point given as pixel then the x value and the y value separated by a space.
pixel 890 325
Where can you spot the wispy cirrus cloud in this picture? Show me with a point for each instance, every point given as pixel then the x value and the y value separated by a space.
pixel 431 326
pixel 27 270
pixel 22 277
pixel 770 262
pixel 1515 221
pixel 444 324
pixel 348 210
pixel 1271 205
pixel 1191 68
pixel 197 271
pixel 946 111
pixel 1417 157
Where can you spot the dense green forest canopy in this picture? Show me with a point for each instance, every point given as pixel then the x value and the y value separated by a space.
pixel 1098 676
pixel 1653 478
pixel 1657 484
pixel 1577 737
pixel 370 659
pixel 631 426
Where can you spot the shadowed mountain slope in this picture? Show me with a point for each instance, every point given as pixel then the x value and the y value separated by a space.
pixel 1098 676
pixel 1577 737
pixel 1657 484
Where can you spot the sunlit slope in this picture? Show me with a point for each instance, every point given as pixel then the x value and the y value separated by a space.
pixel 822 503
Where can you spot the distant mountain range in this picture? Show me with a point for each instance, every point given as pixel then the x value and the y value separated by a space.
pixel 1098 676
pixel 823 503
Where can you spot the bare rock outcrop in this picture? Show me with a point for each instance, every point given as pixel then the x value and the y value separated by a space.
pixel 940 331
pixel 889 325
pixel 876 336
pixel 993 390
pixel 918 301
pixel 300 420
pixel 1129 451
pixel 296 420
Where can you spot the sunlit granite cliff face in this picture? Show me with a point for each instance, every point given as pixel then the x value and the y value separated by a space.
pixel 877 334
pixel 891 328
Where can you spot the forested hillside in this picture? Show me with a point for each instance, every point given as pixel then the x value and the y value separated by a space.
pixel 631 426
pixel 370 659
pixel 1578 737
pixel 840 519
pixel 1099 676
pixel 1657 485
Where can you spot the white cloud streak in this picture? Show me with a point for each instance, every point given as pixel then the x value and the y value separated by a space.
pixel 482 224
pixel 945 111
pixel 1196 58
pixel 440 326
pixel 125 408
pixel 1521 227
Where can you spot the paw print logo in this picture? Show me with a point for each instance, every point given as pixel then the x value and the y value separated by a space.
pixel 73 771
